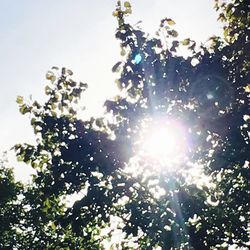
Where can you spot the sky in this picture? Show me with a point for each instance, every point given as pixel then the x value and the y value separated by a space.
pixel 79 35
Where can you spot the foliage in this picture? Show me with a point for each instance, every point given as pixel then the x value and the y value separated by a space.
pixel 121 193
pixel 10 207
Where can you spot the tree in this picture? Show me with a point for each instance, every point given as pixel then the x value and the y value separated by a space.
pixel 122 193
pixel 10 207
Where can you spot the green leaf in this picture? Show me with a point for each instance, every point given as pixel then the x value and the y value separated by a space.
pixel 24 109
pixel 19 158
pixel 173 33
pixel 127 4
pixel 19 100
pixel 116 67
pixel 50 75
pixel 123 52
pixel 128 11
pixel 170 21
pixel 115 13
pixel 53 226
pixel 47 90
pixel 226 32
pixel 186 41
pixel 46 203
pixel 118 84
pixel 32 121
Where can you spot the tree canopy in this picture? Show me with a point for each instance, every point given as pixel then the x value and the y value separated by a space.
pixel 127 199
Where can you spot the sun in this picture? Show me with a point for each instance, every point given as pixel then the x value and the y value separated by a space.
pixel 163 142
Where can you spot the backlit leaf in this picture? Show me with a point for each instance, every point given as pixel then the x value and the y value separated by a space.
pixel 170 21
pixel 127 4
pixel 19 99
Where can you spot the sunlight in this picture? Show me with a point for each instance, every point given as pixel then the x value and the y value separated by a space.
pixel 161 143
pixel 164 142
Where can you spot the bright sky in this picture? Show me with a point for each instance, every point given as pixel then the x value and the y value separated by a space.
pixel 79 34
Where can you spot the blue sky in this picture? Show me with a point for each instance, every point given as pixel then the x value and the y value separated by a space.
pixel 79 34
